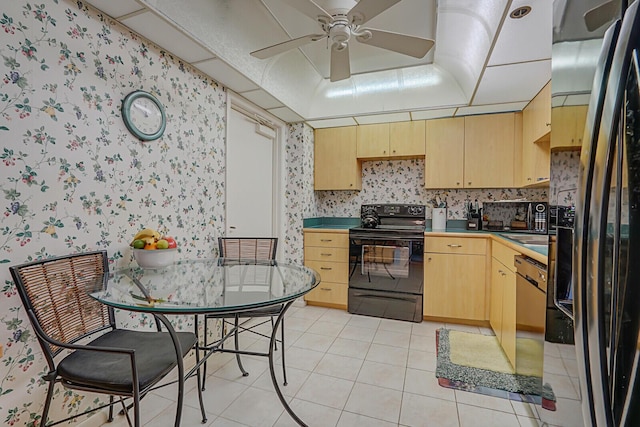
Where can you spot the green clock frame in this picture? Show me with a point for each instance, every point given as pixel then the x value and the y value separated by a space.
pixel 127 103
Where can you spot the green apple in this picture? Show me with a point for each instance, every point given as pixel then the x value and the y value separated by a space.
pixel 162 244
pixel 138 244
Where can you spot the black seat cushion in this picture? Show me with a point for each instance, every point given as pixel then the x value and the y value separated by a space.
pixel 155 357
pixel 259 312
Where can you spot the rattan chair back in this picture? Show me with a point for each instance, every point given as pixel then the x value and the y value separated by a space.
pixel 56 293
pixel 248 248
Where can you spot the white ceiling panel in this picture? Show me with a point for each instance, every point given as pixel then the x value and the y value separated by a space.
pixel 164 34
pixel 285 114
pixel 116 8
pixel 509 83
pixel 226 75
pixel 558 101
pixel 527 38
pixel 489 109
pixel 383 118
pixel 578 99
pixel 433 114
pixel 332 123
pixel 262 98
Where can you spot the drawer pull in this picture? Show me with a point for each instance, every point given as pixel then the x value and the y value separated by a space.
pixel 326 254
pixel 325 289
pixel 455 246
pixel 326 268
pixel 326 240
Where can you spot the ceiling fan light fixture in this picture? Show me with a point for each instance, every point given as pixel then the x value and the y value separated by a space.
pixel 340 32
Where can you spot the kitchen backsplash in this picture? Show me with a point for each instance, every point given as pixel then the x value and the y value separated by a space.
pixel 402 181
pixel 565 166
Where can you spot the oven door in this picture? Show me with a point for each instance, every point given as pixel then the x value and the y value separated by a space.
pixel 388 305
pixel 386 265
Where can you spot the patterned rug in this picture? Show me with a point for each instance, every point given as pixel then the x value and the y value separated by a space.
pixel 476 363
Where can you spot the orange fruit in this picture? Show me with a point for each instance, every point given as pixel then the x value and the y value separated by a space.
pixel 150 246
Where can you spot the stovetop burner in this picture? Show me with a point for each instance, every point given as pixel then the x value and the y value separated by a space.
pixel 392 221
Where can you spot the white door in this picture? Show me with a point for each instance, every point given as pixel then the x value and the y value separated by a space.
pixel 250 177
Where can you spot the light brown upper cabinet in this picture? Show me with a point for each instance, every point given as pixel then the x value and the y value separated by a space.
pixel 568 127
pixel 336 165
pixel 537 116
pixel 391 140
pixel 444 153
pixel 489 151
pixel 534 159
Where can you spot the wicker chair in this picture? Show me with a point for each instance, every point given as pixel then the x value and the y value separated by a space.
pixel 116 362
pixel 246 249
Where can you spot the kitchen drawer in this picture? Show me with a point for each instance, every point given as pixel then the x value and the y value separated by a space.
pixel 336 272
pixel 318 253
pixel 327 240
pixel 329 293
pixel 456 245
pixel 504 254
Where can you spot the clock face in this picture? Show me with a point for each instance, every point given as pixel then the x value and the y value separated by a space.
pixel 143 115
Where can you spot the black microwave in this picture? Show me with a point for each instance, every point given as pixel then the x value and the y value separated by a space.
pixel 517 216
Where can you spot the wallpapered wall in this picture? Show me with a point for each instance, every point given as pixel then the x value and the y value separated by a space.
pixel 74 179
pixel 402 181
pixel 565 167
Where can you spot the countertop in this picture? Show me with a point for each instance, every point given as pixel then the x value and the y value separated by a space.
pixel 537 252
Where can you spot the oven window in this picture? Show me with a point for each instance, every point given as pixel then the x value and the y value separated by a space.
pixel 386 261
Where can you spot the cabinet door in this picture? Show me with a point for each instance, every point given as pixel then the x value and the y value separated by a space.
pixel 407 138
pixel 444 153
pixel 568 126
pixel 497 289
pixel 336 165
pixel 509 316
pixel 373 141
pixel 489 150
pixel 454 286
pixel 535 160
pixel 537 116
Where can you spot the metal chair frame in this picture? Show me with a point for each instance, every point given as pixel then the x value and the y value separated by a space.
pixel 54 293
pixel 234 249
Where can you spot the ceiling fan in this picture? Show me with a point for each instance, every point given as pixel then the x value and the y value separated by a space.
pixel 339 24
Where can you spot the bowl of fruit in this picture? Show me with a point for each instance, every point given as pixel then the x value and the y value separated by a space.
pixel 153 250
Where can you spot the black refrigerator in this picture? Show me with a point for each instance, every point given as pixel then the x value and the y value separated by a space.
pixel 606 249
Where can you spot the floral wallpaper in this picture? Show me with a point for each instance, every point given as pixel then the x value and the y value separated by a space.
pixel 402 181
pixel 299 193
pixel 565 167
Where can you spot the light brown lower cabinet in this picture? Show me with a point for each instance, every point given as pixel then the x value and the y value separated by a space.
pixel 454 278
pixel 327 252
pixel 502 313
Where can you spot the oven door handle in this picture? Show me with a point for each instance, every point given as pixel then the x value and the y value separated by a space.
pixel 385 297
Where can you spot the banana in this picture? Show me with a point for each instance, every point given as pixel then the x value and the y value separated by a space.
pixel 147 234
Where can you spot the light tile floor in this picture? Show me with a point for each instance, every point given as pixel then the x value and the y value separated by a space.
pixel 343 370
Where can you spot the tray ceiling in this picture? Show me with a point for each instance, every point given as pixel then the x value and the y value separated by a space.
pixel 482 61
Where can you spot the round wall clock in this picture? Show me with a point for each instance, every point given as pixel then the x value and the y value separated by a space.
pixel 143 115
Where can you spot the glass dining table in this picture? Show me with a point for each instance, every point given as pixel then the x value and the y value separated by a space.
pixel 209 286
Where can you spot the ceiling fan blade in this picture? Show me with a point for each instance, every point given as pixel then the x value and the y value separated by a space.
pixel 311 9
pixel 340 68
pixel 270 51
pixel 600 15
pixel 367 9
pixel 401 43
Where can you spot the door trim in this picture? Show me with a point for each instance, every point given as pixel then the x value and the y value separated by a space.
pixel 266 121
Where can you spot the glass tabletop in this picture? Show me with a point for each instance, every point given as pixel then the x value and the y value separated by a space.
pixel 206 286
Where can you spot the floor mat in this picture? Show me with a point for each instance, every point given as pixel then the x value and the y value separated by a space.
pixel 476 363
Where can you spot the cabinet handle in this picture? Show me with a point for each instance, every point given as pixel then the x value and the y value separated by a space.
pixel 458 183
pixel 528 179
pixel 469 182
pixel 384 151
pixel 429 259
pixel 326 268
pixel 326 254
pixel 455 246
pixel 394 151
pixel 504 274
pixel 500 271
pixel 350 185
pixel 547 124
pixel 325 289
pixel 326 240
